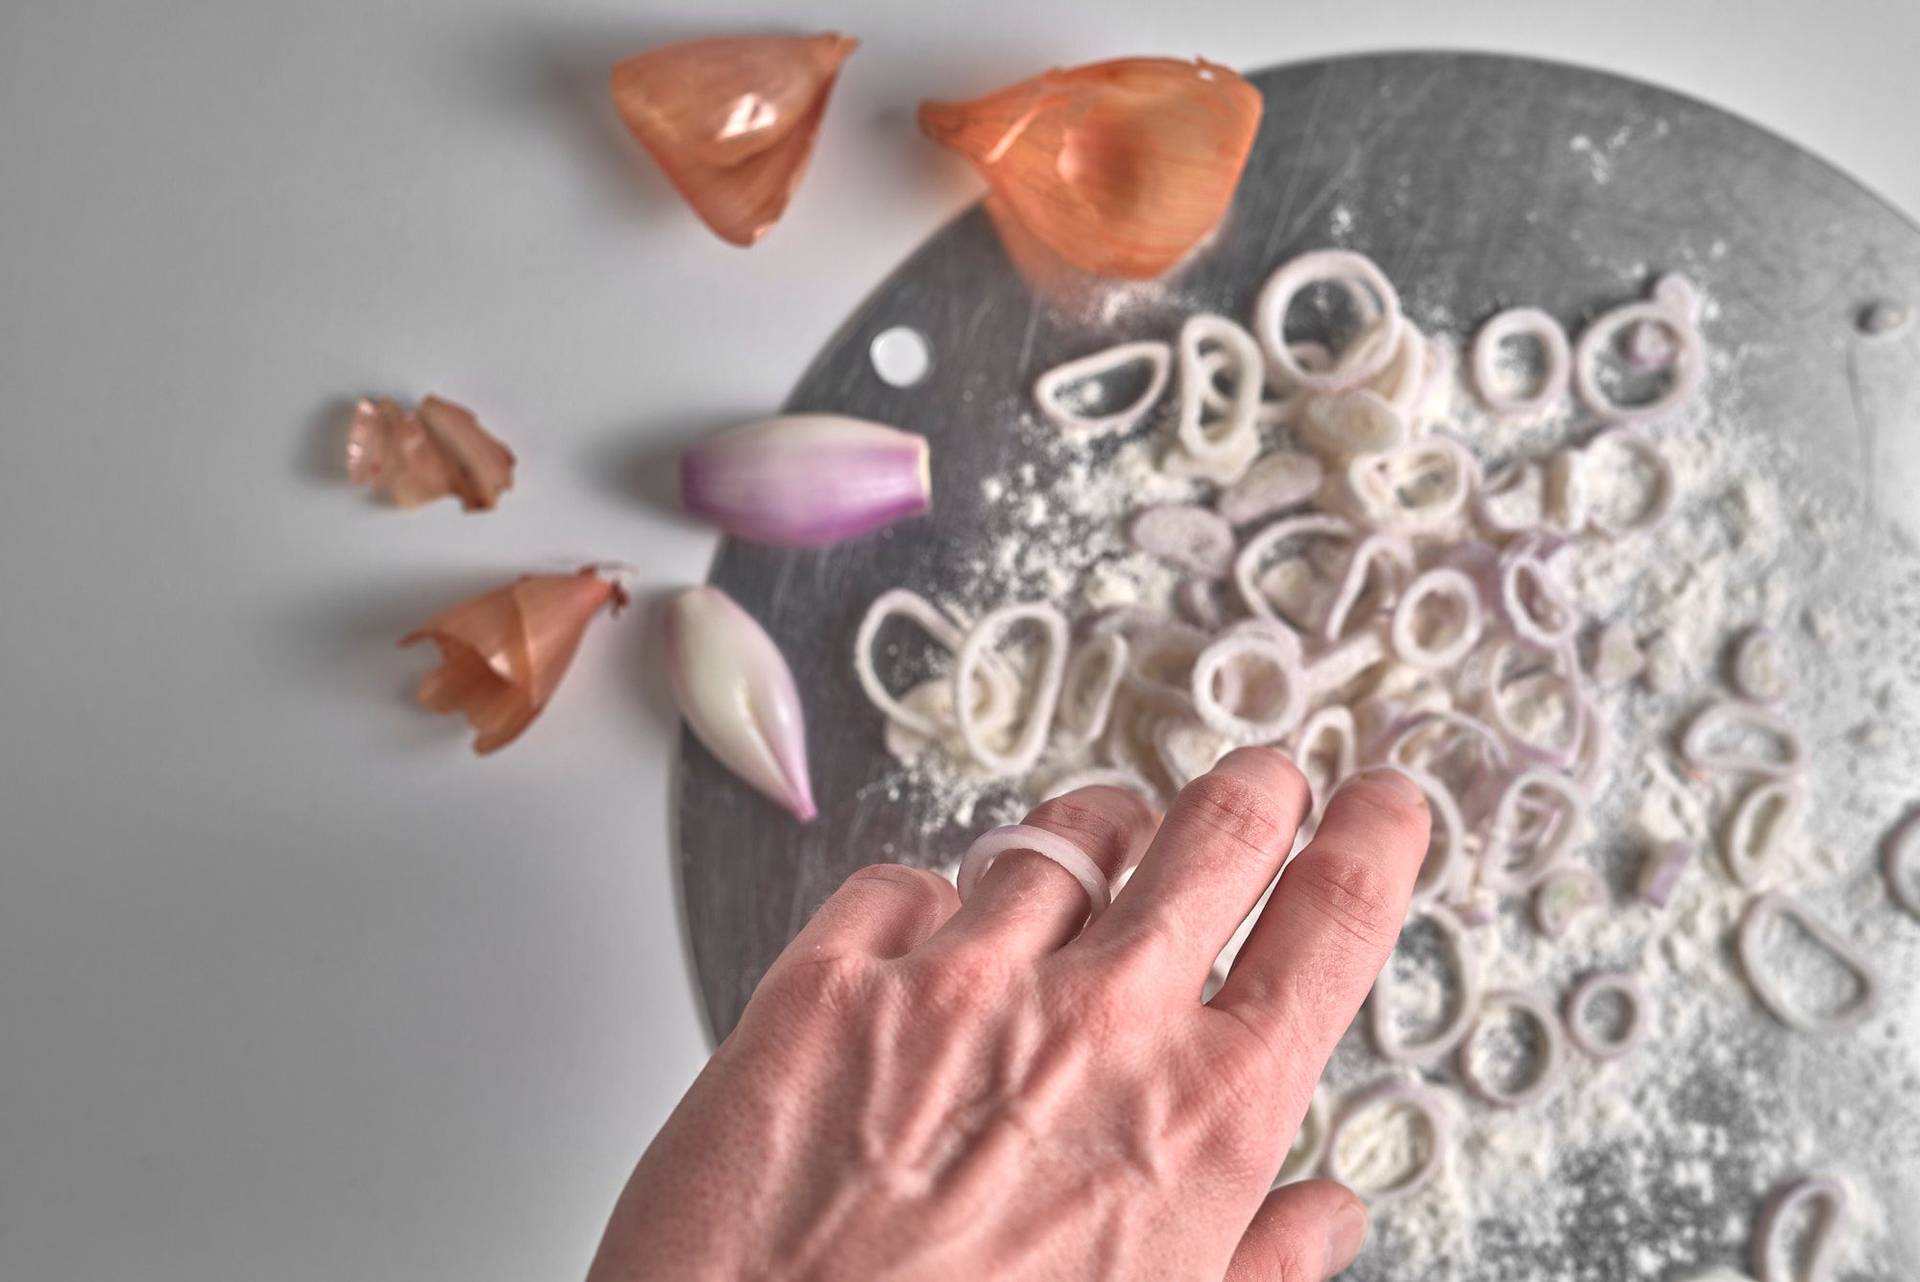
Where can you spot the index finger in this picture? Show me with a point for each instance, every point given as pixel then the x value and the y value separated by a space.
pixel 1334 916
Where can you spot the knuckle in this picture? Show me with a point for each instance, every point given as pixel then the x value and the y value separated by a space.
pixel 826 984
pixel 897 879
pixel 1350 893
pixel 1245 812
pixel 955 983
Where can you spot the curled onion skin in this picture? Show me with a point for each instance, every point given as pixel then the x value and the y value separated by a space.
pixel 731 120
pixel 436 451
pixel 1776 999
pixel 1375 298
pixel 1119 168
pixel 1770 1234
pixel 1048 390
pixel 1626 986
pixel 1430 1050
pixel 990 845
pixel 504 652
pixel 1522 322
pixel 1425 1103
pixel 1552 1050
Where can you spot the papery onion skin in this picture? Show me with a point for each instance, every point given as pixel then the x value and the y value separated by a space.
pixel 806 480
pixel 1120 168
pixel 732 120
pixel 420 455
pixel 738 695
pixel 504 652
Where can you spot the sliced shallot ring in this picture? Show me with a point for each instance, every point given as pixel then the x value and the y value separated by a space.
pixel 1772 995
pixel 993 843
pixel 1663 492
pixel 1345 661
pixel 1398 749
pixel 1755 833
pixel 1430 1050
pixel 1522 322
pixel 1373 480
pixel 1371 348
pixel 1404 378
pixel 1686 368
pixel 1049 386
pixel 1194 539
pixel 1546 1073
pixel 1089 722
pixel 1543 616
pixel 1444 583
pixel 1356 421
pixel 1424 1103
pixel 1279 480
pixel 1696 743
pixel 1392 554
pixel 1446 863
pixel 1755 667
pixel 1253 554
pixel 1580 1031
pixel 1562 894
pixel 1198 601
pixel 1280 648
pixel 1828 1241
pixel 1900 861
pixel 1045 698
pixel 1100 777
pixel 1566 673
pixel 908 605
pixel 1335 722
pixel 1309 1147
pixel 1225 438
pixel 1150 644
pixel 1517 477
pixel 1504 831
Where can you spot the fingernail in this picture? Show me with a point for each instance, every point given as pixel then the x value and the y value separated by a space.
pixel 1346 1234
pixel 1395 778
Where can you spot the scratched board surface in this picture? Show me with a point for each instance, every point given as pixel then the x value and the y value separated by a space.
pixel 1476 182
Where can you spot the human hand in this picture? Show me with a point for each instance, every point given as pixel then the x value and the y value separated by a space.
pixel 924 1090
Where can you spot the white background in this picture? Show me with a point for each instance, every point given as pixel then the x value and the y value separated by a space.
pixel 291 986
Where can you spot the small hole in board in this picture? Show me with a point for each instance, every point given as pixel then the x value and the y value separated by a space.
pixel 900 356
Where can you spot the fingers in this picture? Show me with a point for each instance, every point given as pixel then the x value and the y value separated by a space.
pixel 1304 1232
pixel 1224 838
pixel 1027 902
pixel 882 910
pixel 1334 916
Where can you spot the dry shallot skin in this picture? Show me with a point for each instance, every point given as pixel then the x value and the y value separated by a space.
pixel 417 456
pixel 732 120
pixel 1120 168
pixel 502 653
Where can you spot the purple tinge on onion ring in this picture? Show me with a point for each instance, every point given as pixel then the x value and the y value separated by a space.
pixel 1701 743
pixel 1336 666
pixel 1375 301
pixel 993 843
pixel 1755 836
pixel 1466 976
pixel 1672 308
pixel 1900 861
pixel 1556 353
pixel 1044 698
pixel 1633 995
pixel 1773 1233
pixel 1562 894
pixel 1547 1060
pixel 1424 1104
pixel 1750 945
pixel 1050 391
pixel 1662 870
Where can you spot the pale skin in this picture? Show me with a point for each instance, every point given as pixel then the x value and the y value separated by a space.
pixel 922 1090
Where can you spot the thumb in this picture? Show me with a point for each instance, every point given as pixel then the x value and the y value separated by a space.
pixel 1305 1232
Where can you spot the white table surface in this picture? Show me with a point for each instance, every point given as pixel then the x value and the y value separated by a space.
pixel 291 986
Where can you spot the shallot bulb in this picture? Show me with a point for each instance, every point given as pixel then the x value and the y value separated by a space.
pixel 738 696
pixel 732 120
pixel 1120 168
pixel 806 480
pixel 503 652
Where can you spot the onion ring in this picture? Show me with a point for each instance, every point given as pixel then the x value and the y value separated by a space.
pixel 1770 1234
pixel 1380 317
pixel 1671 307
pixel 1429 1050
pixel 1696 742
pixel 1900 861
pixel 1547 1071
pixel 1776 903
pixel 1626 986
pixel 1049 386
pixel 1522 322
pixel 1550 845
pixel 1272 642
pixel 993 843
pixel 1561 894
pixel 1225 439
pixel 1032 739
pixel 1424 1104
pixel 1754 834
pixel 1087 724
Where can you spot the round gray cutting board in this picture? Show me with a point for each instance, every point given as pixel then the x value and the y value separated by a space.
pixel 1476 183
